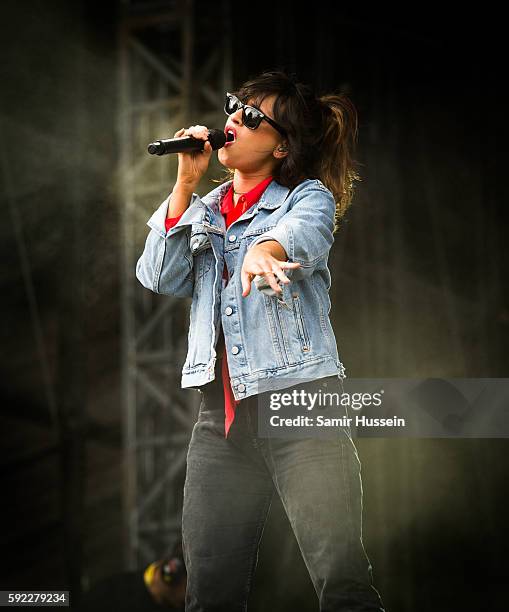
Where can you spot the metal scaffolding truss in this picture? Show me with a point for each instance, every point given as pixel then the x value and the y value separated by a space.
pixel 169 77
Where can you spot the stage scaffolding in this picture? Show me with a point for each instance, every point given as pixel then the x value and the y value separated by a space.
pixel 174 65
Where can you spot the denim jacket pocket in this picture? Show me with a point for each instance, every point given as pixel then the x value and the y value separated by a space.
pixel 300 323
pixel 277 330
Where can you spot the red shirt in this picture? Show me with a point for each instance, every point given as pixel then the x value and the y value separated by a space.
pixel 231 212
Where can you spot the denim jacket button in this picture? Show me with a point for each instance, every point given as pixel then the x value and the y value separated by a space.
pixel 241 388
pixel 235 350
pixel 232 237
pixel 228 311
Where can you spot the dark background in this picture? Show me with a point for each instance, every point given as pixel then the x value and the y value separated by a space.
pixel 419 283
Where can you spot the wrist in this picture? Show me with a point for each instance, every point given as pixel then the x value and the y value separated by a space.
pixel 180 199
pixel 184 188
pixel 273 247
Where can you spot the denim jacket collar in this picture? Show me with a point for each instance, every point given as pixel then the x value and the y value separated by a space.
pixel 205 211
pixel 272 198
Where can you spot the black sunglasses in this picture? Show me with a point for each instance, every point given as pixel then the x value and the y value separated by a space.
pixel 251 116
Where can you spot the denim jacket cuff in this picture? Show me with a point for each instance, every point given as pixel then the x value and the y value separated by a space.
pixel 280 235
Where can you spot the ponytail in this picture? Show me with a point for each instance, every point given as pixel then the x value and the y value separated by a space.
pixel 337 165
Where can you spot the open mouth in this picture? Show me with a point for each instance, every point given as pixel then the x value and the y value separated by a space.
pixel 231 136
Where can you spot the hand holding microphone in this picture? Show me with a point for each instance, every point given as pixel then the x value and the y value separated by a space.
pixel 194 146
pixel 194 162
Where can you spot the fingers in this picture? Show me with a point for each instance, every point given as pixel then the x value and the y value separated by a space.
pixel 245 279
pixel 201 132
pixel 281 275
pixel 270 275
pixel 196 131
pixel 289 264
pixel 271 279
pixel 278 271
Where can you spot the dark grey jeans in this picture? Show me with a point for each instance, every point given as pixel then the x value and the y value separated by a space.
pixel 227 495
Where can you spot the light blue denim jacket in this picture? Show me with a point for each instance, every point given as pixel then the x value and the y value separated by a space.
pixel 272 341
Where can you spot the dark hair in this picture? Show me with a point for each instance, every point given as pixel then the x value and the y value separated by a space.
pixel 322 134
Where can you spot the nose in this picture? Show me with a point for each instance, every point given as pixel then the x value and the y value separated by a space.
pixel 236 117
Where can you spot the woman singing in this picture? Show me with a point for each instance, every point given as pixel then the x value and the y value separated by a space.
pixel 290 162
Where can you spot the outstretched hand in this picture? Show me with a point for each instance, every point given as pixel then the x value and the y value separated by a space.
pixel 261 260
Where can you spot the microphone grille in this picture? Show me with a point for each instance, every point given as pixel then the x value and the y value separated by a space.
pixel 217 139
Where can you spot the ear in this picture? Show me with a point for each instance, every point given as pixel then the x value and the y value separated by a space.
pixel 281 150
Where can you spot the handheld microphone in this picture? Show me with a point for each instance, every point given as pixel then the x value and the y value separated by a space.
pixel 217 139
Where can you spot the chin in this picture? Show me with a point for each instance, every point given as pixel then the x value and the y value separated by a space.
pixel 225 159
